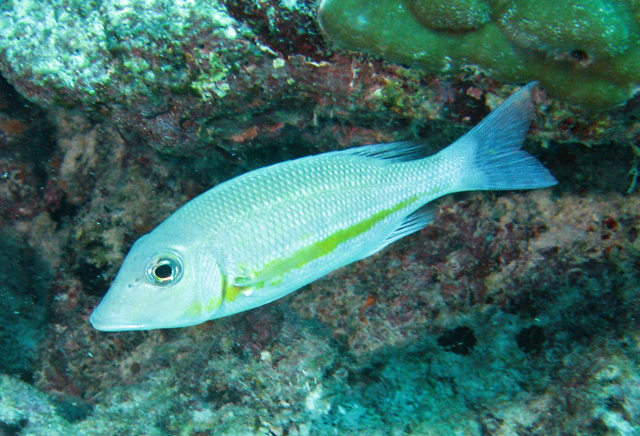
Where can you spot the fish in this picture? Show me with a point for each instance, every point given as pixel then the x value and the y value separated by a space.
pixel 264 234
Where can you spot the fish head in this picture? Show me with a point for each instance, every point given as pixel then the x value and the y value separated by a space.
pixel 169 279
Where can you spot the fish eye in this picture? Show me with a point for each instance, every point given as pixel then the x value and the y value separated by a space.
pixel 164 270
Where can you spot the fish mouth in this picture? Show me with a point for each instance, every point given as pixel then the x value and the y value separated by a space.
pixel 105 320
pixel 111 324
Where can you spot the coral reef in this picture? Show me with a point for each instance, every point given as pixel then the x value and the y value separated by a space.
pixel 513 313
pixel 582 52
pixel 509 314
pixel 113 45
pixel 163 73
pixel 24 410
pixel 220 80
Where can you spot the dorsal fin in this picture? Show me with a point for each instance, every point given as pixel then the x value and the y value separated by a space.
pixel 403 151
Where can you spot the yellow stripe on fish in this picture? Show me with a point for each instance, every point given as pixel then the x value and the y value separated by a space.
pixel 274 271
pixel 267 233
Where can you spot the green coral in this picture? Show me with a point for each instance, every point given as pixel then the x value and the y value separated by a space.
pixel 454 15
pixel 606 28
pixel 585 52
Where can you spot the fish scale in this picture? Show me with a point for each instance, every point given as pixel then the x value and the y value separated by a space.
pixel 295 213
pixel 267 233
pixel 308 193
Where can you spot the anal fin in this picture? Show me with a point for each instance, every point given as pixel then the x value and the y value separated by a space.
pixel 411 224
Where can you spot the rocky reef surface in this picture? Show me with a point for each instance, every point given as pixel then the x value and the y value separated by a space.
pixel 513 313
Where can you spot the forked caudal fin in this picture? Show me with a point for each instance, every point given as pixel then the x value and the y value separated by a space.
pixel 494 148
pixel 491 152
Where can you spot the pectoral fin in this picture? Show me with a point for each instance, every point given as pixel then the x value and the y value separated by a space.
pixel 273 270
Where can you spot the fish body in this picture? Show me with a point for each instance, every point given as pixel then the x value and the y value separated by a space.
pixel 265 234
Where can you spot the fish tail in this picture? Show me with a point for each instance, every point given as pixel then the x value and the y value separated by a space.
pixel 493 149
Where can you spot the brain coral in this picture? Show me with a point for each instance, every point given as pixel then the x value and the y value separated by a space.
pixel 586 52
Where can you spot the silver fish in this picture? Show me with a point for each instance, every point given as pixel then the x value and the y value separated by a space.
pixel 265 234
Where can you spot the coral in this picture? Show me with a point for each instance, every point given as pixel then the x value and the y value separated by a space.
pixel 586 53
pixel 478 324
pixel 284 25
pixel 226 81
pixel 24 410
pixel 137 45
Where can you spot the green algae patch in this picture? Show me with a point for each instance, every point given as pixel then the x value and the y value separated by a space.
pixel 87 52
pixel 586 53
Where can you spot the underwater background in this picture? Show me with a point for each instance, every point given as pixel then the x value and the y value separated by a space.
pixel 514 313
